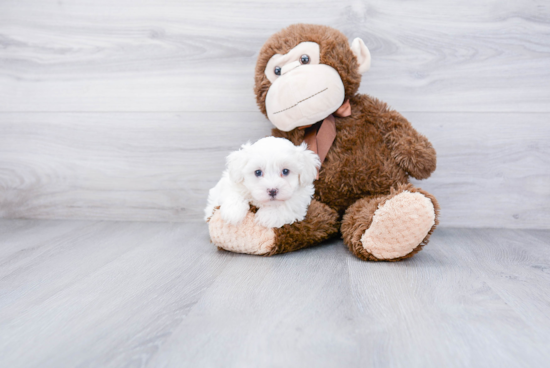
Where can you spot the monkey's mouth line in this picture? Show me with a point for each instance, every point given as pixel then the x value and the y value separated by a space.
pixel 297 103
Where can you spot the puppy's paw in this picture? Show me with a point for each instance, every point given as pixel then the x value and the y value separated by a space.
pixel 234 213
pixel 267 218
pixel 277 217
pixel 246 237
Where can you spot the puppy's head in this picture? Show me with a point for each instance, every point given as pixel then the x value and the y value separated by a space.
pixel 272 169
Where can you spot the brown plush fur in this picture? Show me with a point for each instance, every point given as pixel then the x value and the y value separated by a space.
pixel 375 151
pixel 335 52
pixel 359 217
pixel 321 222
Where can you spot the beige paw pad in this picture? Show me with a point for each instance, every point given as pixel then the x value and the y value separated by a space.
pixel 247 237
pixel 399 225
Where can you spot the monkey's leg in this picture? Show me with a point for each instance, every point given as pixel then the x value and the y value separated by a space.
pixel 390 227
pixel 321 223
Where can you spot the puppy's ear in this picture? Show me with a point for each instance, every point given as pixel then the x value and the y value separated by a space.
pixel 310 164
pixel 236 161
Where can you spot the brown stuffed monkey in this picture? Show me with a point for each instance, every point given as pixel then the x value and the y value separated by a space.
pixel 307 77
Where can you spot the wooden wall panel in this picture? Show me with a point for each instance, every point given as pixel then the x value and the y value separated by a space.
pixel 137 166
pixel 493 169
pixel 161 55
pixel 124 110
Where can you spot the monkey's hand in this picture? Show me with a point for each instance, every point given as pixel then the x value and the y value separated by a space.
pixel 412 151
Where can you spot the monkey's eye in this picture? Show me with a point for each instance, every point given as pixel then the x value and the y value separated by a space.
pixel 286 172
pixel 304 59
pixel 258 173
pixel 277 70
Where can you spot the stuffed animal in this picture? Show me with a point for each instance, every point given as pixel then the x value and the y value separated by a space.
pixel 306 83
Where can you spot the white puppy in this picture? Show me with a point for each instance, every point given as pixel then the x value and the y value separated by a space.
pixel 272 174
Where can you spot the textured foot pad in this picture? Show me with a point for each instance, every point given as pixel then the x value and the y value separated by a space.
pixel 247 237
pixel 399 225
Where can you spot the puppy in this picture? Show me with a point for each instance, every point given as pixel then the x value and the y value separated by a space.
pixel 272 174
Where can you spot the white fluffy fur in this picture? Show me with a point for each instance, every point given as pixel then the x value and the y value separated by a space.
pixel 240 186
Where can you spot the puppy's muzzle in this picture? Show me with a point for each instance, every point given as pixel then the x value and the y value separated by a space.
pixel 272 192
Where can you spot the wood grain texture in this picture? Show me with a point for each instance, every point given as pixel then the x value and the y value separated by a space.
pixel 164 55
pixel 493 169
pixel 90 282
pixel 125 110
pixel 112 294
pixel 156 167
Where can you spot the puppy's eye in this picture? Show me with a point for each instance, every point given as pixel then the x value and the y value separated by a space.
pixel 304 59
pixel 258 173
pixel 286 172
pixel 277 70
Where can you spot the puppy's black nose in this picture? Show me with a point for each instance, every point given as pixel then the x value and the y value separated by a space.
pixel 273 192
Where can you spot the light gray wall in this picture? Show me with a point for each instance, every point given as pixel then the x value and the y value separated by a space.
pixel 125 110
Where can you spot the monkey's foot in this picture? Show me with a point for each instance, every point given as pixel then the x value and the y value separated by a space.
pixel 246 237
pixel 390 227
pixel 399 226
pixel 321 223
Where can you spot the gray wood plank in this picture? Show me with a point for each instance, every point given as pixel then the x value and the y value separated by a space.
pixel 287 311
pixel 22 235
pixel 493 169
pixel 114 294
pixel 109 292
pixel 437 309
pixel 155 167
pixel 515 267
pixel 199 56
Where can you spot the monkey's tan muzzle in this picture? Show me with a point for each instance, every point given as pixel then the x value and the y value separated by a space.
pixel 304 95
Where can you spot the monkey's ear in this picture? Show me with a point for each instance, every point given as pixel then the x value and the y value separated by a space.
pixel 362 54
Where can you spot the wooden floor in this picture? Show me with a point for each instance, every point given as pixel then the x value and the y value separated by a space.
pixel 113 294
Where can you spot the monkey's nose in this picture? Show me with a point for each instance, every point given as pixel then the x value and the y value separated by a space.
pixel 288 67
pixel 273 192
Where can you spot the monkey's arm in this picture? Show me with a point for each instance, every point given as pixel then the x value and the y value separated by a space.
pixel 410 149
